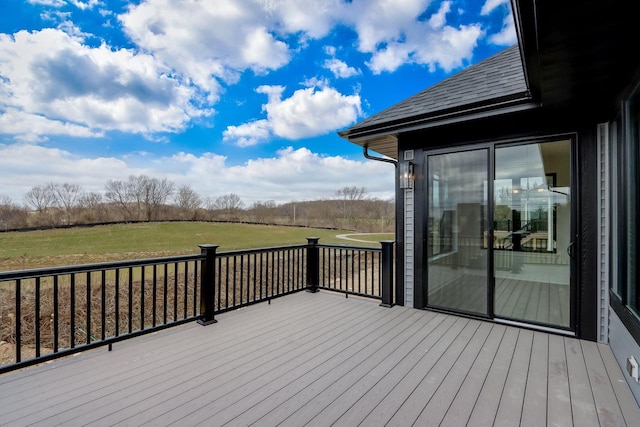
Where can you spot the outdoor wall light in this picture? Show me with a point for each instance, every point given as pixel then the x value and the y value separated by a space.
pixel 406 175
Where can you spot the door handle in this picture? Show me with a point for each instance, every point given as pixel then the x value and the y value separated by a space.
pixel 570 249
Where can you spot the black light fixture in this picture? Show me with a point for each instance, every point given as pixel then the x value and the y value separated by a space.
pixel 406 175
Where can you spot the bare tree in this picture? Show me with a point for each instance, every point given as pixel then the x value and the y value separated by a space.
pixel 229 205
pixel 228 202
pixel 348 197
pixel 11 215
pixel 351 193
pixel 67 197
pixel 90 200
pixel 119 193
pixel 40 198
pixel 91 206
pixel 156 192
pixel 188 201
pixel 264 211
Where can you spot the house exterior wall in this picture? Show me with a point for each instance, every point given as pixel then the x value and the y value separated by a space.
pixel 620 159
pixel 533 125
pixel 623 346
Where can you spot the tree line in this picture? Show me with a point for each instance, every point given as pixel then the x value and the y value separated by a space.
pixel 144 198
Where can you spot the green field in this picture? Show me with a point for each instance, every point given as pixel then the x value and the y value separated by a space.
pixel 34 249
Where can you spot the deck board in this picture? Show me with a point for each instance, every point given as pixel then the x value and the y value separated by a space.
pixel 534 408
pixel 512 400
pixel 320 359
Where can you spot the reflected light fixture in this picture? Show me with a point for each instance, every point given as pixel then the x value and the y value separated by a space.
pixel 406 175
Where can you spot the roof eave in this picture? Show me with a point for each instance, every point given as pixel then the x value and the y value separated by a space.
pixel 521 103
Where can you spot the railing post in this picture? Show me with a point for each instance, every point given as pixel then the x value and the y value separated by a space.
pixel 207 284
pixel 387 273
pixel 313 264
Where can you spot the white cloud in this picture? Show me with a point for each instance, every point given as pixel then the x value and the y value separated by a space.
pixel 52 76
pixel 507 34
pixel 297 171
pixel 340 68
pixel 491 5
pixel 393 32
pixel 314 18
pixel 53 3
pixel 82 5
pixel 31 127
pixel 308 112
pixel 20 172
pixel 221 40
pixel 248 134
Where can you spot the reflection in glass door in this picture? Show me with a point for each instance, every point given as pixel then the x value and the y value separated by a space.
pixel 532 233
pixel 457 259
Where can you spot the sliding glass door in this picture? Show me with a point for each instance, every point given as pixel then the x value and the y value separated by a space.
pixel 532 233
pixel 499 232
pixel 457 259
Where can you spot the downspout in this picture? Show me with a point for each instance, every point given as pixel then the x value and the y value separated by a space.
pixel 365 152
pixel 399 272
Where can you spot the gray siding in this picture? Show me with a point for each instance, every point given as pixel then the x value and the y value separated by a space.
pixel 409 257
pixel 603 232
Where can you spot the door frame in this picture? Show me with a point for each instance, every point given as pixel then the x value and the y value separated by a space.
pixel 421 281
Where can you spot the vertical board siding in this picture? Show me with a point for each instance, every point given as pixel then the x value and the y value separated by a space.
pixel 603 232
pixel 409 270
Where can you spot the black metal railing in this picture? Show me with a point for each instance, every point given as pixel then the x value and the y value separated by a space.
pixel 53 312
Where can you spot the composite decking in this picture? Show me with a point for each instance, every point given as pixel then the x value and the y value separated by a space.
pixel 321 359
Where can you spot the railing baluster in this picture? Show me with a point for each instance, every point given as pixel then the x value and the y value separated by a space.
pixel 165 283
pixel 88 299
pixel 18 321
pixel 117 304
pixel 72 309
pixel 235 283
pixel 195 288
pixel 255 277
pixel 37 317
pixel 261 268
pixel 360 272
pixel 186 289
pixel 130 315
pixel 279 285
pixel 226 283
pixel 219 283
pixel 366 270
pixel 248 258
pixel 175 291
pixel 143 279
pixel 56 307
pixel 103 297
pixel 242 279
pixel 154 297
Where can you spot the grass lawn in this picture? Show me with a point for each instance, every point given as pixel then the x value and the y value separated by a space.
pixel 35 249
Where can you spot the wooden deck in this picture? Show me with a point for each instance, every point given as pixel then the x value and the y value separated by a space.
pixel 321 359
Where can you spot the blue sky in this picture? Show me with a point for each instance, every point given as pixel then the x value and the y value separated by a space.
pixel 227 96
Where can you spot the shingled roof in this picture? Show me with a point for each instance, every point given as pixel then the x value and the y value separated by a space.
pixel 494 82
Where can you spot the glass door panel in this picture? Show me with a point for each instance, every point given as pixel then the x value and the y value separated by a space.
pixel 457 259
pixel 532 233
